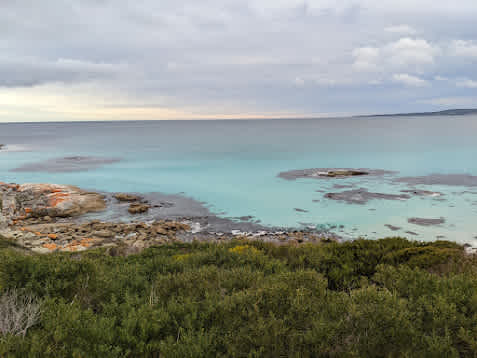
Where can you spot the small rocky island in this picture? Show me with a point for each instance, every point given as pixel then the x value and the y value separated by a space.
pixel 324 173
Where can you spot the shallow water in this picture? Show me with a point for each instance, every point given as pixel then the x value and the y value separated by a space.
pixel 233 167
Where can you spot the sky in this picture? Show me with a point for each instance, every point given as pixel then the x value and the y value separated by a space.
pixel 187 59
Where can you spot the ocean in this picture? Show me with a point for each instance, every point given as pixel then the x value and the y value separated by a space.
pixel 233 168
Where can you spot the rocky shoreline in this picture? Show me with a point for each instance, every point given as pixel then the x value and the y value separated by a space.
pixel 46 218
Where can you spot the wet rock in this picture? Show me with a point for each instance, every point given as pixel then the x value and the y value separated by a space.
pixel 362 196
pixel 419 192
pixel 300 210
pixel 426 222
pixel 324 173
pixel 126 197
pixel 343 186
pixel 392 227
pixel 138 208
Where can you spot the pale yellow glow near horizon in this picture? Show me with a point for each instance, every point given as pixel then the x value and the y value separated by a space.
pixel 89 103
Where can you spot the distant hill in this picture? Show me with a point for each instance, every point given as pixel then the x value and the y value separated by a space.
pixel 448 112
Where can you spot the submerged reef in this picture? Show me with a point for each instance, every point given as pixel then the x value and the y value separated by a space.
pixel 66 164
pixel 466 180
pixel 362 196
pixel 426 222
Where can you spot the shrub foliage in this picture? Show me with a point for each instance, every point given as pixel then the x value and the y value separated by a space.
pixel 384 298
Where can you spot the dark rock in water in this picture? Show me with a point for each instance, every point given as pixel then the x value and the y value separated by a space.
pixel 300 210
pixel 362 196
pixel 343 173
pixel 66 164
pixel 343 186
pixel 126 197
pixel 2 146
pixel 426 222
pixel 440 237
pixel 244 218
pixel 412 233
pixel 419 192
pixel 326 173
pixel 392 227
pixel 440 179
pixel 138 208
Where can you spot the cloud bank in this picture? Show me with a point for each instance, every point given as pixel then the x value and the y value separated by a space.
pixel 105 59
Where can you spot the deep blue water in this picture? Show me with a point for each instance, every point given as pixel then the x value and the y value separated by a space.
pixel 233 166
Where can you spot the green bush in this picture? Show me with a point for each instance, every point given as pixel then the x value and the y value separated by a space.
pixel 383 298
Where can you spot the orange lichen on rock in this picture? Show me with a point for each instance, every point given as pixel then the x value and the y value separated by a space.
pixel 87 242
pixel 50 246
pixel 57 198
pixel 28 210
pixel 52 236
pixel 37 233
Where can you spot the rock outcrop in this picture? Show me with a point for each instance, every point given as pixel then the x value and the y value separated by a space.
pixel 126 197
pixel 43 218
pixel 47 200
pixel 138 208
pixel 73 237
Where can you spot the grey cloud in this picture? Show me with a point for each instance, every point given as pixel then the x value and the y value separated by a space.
pixel 21 72
pixel 269 55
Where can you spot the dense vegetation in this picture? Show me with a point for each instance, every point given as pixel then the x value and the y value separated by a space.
pixel 385 298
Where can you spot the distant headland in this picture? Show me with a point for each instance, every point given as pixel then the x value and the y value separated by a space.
pixel 447 112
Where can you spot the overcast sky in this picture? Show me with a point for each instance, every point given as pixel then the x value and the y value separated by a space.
pixel 170 59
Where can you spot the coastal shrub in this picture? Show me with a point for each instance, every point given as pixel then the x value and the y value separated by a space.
pixel 18 312
pixel 383 298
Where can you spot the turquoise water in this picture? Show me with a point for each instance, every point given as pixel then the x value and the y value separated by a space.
pixel 233 166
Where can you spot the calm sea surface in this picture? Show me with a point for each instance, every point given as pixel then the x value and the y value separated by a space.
pixel 233 165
